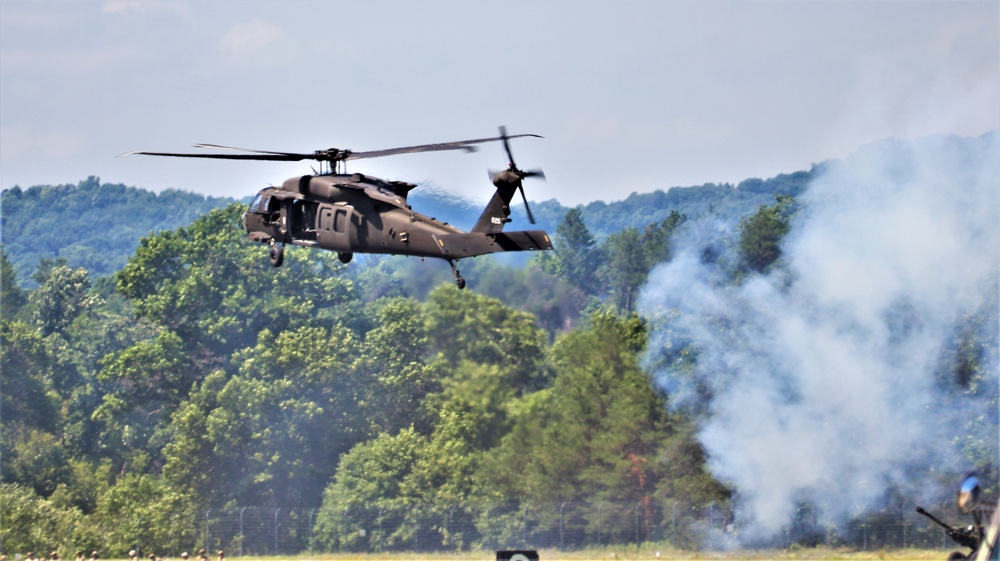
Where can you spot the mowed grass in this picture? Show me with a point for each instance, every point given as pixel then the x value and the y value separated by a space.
pixel 631 553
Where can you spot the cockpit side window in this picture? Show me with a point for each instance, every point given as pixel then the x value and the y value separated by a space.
pixel 255 205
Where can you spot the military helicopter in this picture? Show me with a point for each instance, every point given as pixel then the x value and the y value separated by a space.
pixel 355 213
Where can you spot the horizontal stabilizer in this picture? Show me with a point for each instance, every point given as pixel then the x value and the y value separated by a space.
pixel 472 244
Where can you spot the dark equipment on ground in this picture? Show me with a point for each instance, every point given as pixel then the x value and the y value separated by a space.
pixel 517 555
pixel 354 213
pixel 979 537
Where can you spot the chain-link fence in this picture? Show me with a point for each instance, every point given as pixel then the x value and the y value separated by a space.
pixel 566 526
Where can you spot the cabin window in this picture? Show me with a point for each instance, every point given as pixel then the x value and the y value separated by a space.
pixel 340 221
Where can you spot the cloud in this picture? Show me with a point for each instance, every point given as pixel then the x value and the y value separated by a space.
pixel 250 37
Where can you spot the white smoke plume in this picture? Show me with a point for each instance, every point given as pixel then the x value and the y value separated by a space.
pixel 818 382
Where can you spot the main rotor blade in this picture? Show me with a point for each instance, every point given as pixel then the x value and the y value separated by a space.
pixel 531 217
pixel 466 145
pixel 281 157
pixel 411 150
pixel 331 154
pixel 220 147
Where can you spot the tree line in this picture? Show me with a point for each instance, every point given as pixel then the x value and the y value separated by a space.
pixel 199 377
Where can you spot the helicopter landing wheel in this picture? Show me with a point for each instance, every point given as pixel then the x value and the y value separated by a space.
pixel 277 254
pixel 345 257
pixel 459 281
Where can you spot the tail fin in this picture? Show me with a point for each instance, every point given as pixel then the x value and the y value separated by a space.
pixel 497 211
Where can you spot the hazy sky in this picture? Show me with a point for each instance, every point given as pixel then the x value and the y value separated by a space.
pixel 630 96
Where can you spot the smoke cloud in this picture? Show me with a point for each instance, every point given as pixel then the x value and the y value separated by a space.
pixel 821 381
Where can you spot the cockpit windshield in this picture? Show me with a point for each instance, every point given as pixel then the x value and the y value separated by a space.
pixel 255 205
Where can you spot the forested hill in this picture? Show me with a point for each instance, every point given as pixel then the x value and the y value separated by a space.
pixel 600 386
pixel 98 226
pixel 638 210
pixel 91 225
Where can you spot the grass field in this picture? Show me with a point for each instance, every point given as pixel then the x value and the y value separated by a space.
pixel 631 553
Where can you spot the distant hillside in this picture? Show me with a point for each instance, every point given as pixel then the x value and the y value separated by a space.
pixel 639 209
pixel 92 225
pixel 98 226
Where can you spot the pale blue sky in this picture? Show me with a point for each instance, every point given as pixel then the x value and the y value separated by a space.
pixel 631 96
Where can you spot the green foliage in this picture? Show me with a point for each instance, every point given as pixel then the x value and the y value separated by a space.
pixel 27 520
pixel 12 298
pixel 61 298
pixel 92 225
pixel 464 326
pixel 201 377
pixel 270 434
pixel 595 428
pixel 143 509
pixel 727 202
pixel 761 234
pixel 370 477
pixel 207 282
pixel 577 256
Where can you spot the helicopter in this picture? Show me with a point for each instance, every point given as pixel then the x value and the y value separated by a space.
pixel 356 213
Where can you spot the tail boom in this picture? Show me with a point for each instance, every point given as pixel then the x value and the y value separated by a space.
pixel 458 246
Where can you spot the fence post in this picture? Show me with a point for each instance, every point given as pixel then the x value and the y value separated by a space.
pixel 524 525
pixel 562 540
pixel 311 536
pixel 381 531
pixel 489 534
pixel 343 529
pixel 241 531
pixel 637 505
pixel 673 526
pixel 276 530
pixel 903 521
pixel 598 524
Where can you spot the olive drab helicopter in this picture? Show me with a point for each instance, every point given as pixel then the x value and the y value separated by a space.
pixel 355 213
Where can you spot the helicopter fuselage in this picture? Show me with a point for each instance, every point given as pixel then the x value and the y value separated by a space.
pixel 355 213
pixel 361 214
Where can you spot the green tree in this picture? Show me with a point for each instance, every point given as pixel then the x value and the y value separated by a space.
pixel 62 296
pixel 577 255
pixel 211 286
pixel 657 239
pixel 27 519
pixel 26 366
pixel 12 298
pixel 625 269
pixel 370 480
pixel 762 232
pixel 464 326
pixel 190 461
pixel 597 434
pixel 144 509
pixel 272 433
pixel 631 255
pixel 390 375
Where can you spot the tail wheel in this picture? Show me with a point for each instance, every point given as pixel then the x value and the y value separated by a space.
pixel 277 254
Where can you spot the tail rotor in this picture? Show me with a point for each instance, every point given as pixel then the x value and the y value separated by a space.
pixel 514 176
